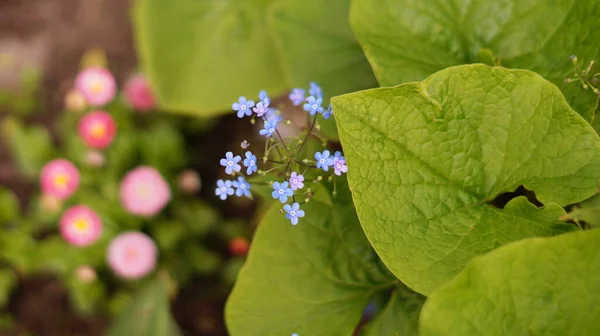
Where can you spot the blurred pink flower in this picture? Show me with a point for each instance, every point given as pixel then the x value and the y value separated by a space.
pixel 97 129
pixel 75 101
pixel 59 178
pixel 132 255
pixel 97 85
pixel 189 181
pixel 144 191
pixel 138 93
pixel 80 226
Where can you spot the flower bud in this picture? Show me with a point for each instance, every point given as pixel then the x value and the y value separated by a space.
pixel 94 158
pixel 239 246
pixel 75 101
pixel 189 182
pixel 50 204
pixel 86 274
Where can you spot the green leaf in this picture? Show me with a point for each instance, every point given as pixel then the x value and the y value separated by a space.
pixel 31 147
pixel 148 314
pixel 532 287
pixel 407 40
pixel 400 316
pixel 8 281
pixel 588 211
pixel 314 278
pixel 426 159
pixel 202 55
pixel 9 205
pixel 316 44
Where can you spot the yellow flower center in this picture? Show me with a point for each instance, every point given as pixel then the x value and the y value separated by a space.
pixel 143 191
pixel 97 130
pixel 81 224
pixel 61 180
pixel 97 86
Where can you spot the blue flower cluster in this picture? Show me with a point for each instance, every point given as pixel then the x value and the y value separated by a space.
pixel 290 171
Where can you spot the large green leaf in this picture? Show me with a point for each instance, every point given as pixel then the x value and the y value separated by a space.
pixel 314 278
pixel 426 159
pixel 407 40
pixel 316 44
pixel 400 316
pixel 148 314
pixel 202 55
pixel 532 287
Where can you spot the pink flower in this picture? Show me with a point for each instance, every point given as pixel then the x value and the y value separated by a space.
pixel 97 85
pixel 80 226
pixel 97 129
pixel 94 158
pixel 132 255
pixel 59 178
pixel 138 93
pixel 144 192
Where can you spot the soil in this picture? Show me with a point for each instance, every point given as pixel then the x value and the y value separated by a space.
pixel 53 35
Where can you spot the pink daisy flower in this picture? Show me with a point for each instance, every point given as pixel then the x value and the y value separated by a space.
pixel 144 192
pixel 132 255
pixel 59 178
pixel 80 226
pixel 97 85
pixel 97 129
pixel 138 93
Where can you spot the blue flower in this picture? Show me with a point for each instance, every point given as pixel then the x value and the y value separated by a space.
pixel 281 191
pixel 272 115
pixel 242 187
pixel 250 162
pixel 231 163
pixel 261 108
pixel 296 181
pixel 324 161
pixel 313 105
pixel 223 189
pixel 327 114
pixel 293 212
pixel 338 154
pixel 297 96
pixel 270 128
pixel 264 97
pixel 315 90
pixel 243 107
pixel 339 166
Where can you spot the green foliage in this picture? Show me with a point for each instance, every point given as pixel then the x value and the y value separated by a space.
pixel 9 206
pixel 31 146
pixel 426 159
pixel 408 40
pixel 8 280
pixel 148 313
pixel 202 55
pixel 532 287
pixel 314 278
pixel 400 316
pixel 587 213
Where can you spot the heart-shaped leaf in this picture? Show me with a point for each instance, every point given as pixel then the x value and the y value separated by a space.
pixel 426 159
pixel 532 287
pixel 407 40
pixel 314 278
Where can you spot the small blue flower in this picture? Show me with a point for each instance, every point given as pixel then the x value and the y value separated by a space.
pixel 313 105
pixel 272 115
pixel 223 189
pixel 231 163
pixel 293 212
pixel 261 108
pixel 264 97
pixel 281 191
pixel 339 166
pixel 295 334
pixel 243 107
pixel 327 114
pixel 250 162
pixel 324 161
pixel 270 128
pixel 242 187
pixel 297 96
pixel 296 181
pixel 338 154
pixel 315 90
